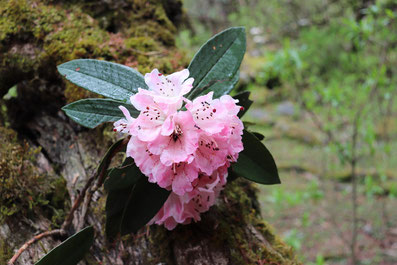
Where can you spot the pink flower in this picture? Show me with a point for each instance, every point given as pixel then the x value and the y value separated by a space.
pixel 179 177
pixel 124 125
pixel 145 160
pixel 211 152
pixel 187 152
pixel 230 104
pixel 178 142
pixel 153 119
pixel 183 209
pixel 208 114
pixel 168 89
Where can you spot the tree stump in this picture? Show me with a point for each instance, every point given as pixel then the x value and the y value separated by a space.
pixel 46 158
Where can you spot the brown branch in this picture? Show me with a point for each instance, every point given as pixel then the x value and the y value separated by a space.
pixel 77 203
pixel 33 240
pixel 318 123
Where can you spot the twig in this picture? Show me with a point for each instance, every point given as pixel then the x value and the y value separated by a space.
pixel 33 240
pixel 318 123
pixel 77 203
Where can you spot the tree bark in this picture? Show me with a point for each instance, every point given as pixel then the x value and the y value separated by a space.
pixel 38 35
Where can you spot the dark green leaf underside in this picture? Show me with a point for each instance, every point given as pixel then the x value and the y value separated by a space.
pixel 244 101
pixel 125 176
pixel 145 201
pixel 255 162
pixel 71 251
pixel 105 78
pixel 259 136
pixel 129 208
pixel 115 204
pixel 92 112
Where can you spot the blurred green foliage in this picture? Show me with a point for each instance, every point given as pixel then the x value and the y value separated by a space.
pixel 336 59
pixel 335 63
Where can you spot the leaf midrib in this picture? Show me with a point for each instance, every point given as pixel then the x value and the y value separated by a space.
pixel 103 80
pixel 213 65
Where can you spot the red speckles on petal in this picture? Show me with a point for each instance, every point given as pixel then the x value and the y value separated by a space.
pixel 115 130
pixel 160 74
pixel 214 110
pixel 241 108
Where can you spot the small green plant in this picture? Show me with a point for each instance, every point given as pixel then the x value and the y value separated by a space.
pixel 294 238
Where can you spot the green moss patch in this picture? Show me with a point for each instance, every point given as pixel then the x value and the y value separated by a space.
pixel 23 190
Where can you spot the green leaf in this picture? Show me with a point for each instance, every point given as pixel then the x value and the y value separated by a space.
pixel 105 78
pixel 92 112
pixel 244 101
pixel 130 208
pixel 71 251
pixel 115 204
pixel 259 136
pixel 231 175
pixel 121 177
pixel 118 146
pixel 255 162
pixel 144 203
pixel 218 61
pixel 119 186
pixel 219 87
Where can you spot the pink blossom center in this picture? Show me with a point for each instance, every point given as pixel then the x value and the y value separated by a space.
pixel 166 88
pixel 204 111
pixel 177 133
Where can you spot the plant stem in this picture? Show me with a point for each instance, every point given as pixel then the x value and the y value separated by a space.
pixel 353 163
pixel 33 240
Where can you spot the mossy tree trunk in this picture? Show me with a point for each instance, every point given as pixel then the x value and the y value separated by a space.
pixel 40 182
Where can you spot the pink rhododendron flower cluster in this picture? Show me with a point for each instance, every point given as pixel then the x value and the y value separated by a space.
pixel 185 151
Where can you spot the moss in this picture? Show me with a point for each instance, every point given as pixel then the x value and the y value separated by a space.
pixel 23 190
pixel 234 226
pixel 6 252
pixel 160 254
pixel 22 187
pixel 35 37
pixel 141 44
pixel 240 211
pixel 57 202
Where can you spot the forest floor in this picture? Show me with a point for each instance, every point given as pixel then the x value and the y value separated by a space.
pixel 312 208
